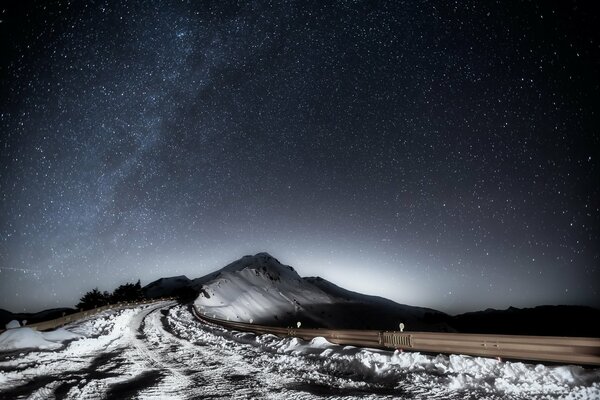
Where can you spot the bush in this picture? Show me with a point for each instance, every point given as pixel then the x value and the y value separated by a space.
pixel 185 294
pixel 124 293
pixel 93 299
pixel 128 292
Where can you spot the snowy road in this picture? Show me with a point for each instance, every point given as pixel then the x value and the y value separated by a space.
pixel 161 351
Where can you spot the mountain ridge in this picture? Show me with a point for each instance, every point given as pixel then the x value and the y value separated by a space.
pixel 262 290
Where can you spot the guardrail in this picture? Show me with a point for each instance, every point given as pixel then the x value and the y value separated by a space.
pixel 573 350
pixel 61 321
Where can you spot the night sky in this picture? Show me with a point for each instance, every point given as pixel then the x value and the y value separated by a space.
pixel 439 154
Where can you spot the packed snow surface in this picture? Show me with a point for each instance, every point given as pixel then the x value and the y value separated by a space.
pixel 161 351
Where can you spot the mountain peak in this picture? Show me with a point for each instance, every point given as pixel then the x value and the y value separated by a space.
pixel 263 254
pixel 261 260
pixel 259 288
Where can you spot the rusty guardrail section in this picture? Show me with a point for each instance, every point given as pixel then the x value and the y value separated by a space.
pixel 573 350
pixel 58 322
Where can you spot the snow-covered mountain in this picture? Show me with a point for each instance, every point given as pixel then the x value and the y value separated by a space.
pixel 262 290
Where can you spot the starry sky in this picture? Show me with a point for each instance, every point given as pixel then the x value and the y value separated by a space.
pixel 441 154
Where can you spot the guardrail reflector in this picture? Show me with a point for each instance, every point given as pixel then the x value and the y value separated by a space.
pixel 396 339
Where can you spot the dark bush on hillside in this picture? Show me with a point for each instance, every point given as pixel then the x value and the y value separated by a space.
pixel 185 294
pixel 124 293
pixel 93 299
pixel 127 292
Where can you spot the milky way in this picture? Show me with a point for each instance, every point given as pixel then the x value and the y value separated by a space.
pixel 437 154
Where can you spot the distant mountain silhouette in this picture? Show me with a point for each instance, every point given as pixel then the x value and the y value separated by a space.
pixel 31 318
pixel 165 287
pixel 540 321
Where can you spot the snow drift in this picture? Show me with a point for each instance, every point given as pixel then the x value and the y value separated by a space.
pixel 13 324
pixel 27 338
pixel 339 369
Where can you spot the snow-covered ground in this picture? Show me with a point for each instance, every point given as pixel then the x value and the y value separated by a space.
pixel 26 338
pixel 161 351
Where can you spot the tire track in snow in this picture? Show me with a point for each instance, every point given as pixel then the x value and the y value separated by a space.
pixel 155 352
pixel 162 351
pixel 38 373
pixel 281 376
pixel 202 365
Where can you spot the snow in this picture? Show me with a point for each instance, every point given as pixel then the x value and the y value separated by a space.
pixel 27 338
pixel 455 373
pixel 60 335
pixel 438 375
pixel 262 290
pixel 13 324
pixel 67 361
pixel 164 352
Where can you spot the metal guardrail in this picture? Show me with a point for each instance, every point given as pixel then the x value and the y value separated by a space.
pixel 61 321
pixel 573 350
pixel 576 350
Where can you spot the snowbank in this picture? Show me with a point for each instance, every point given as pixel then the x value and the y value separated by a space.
pixel 27 338
pixel 13 324
pixel 413 374
pixel 456 373
pixel 60 335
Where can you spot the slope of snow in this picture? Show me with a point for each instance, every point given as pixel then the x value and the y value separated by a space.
pixel 258 260
pixel 27 338
pixel 60 335
pixel 259 289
